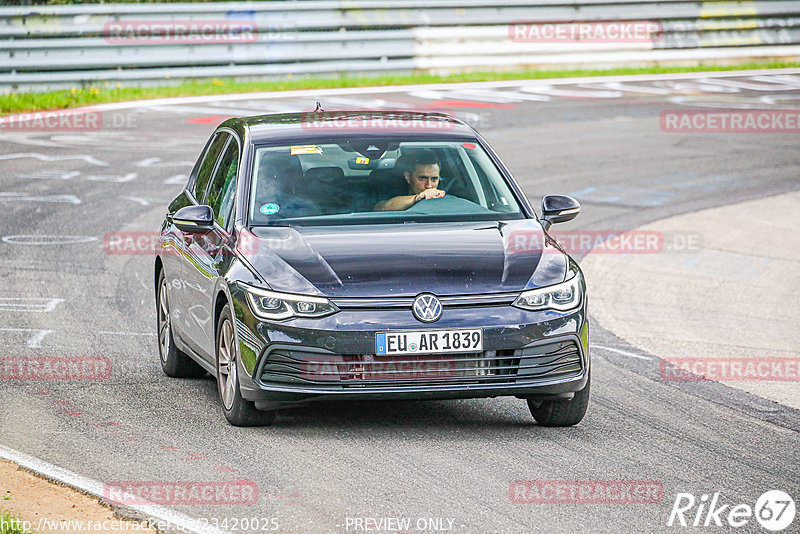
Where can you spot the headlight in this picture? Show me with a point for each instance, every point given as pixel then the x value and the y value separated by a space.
pixel 277 306
pixel 562 297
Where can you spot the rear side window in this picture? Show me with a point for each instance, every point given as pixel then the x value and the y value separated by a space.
pixel 207 166
pixel 223 187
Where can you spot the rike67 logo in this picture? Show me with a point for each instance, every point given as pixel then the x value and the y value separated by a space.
pixel 774 510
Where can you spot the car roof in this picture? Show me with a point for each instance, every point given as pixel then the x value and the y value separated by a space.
pixel 338 124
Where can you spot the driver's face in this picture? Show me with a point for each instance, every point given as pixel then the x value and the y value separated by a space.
pixel 424 177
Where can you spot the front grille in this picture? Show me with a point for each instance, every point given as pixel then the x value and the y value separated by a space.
pixel 460 301
pixel 298 367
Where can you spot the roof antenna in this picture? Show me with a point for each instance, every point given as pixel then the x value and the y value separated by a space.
pixel 319 108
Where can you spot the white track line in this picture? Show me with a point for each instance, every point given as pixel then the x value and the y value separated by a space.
pixel 125 333
pixel 174 101
pixel 35 341
pixel 154 513
pixel 623 352
pixel 44 157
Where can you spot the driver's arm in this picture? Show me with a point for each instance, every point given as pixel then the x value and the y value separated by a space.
pixel 406 201
pixel 397 203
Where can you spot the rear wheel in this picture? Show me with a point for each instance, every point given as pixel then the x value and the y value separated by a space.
pixel 238 410
pixel 561 412
pixel 173 362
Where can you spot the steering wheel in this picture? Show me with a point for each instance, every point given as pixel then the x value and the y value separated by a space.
pixel 446 205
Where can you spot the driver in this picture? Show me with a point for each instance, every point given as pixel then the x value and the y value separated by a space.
pixel 423 180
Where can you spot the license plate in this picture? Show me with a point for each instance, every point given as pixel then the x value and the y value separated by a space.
pixel 429 342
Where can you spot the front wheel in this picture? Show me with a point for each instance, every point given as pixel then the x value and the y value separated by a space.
pixel 561 412
pixel 238 411
pixel 174 363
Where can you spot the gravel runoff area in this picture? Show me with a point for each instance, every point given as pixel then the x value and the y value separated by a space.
pixel 730 299
pixel 39 506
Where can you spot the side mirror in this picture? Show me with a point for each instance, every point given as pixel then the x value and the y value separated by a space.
pixel 558 209
pixel 194 219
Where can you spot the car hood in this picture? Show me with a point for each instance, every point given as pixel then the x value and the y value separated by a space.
pixel 405 260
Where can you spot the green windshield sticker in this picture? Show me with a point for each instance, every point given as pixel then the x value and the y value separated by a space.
pixel 270 209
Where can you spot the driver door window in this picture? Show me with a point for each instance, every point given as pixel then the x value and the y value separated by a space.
pixel 222 191
pixel 207 166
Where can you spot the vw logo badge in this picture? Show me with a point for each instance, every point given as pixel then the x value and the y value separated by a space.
pixel 427 308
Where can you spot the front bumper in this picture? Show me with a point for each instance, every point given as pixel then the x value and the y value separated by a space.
pixel 526 354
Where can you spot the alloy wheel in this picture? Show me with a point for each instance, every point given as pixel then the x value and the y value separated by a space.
pixel 227 365
pixel 163 322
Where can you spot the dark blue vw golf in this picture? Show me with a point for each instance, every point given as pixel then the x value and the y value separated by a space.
pixel 367 255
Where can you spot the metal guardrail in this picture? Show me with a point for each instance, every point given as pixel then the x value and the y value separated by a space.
pixel 49 47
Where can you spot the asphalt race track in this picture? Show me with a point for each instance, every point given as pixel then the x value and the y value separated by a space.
pixel 445 466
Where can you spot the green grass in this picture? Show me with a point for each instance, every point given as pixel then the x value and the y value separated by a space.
pixel 21 102
pixel 79 2
pixel 8 524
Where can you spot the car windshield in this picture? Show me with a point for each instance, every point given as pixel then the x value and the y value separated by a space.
pixel 368 181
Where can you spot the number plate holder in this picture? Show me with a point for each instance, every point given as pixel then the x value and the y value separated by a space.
pixel 429 341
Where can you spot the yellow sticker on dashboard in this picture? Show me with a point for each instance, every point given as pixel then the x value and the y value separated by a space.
pixel 298 150
pixel 362 161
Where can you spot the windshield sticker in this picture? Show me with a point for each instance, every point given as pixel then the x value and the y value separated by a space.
pixel 469 146
pixel 270 209
pixel 298 150
pixel 362 161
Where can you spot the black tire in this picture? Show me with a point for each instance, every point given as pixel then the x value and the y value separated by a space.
pixel 238 411
pixel 174 363
pixel 561 412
